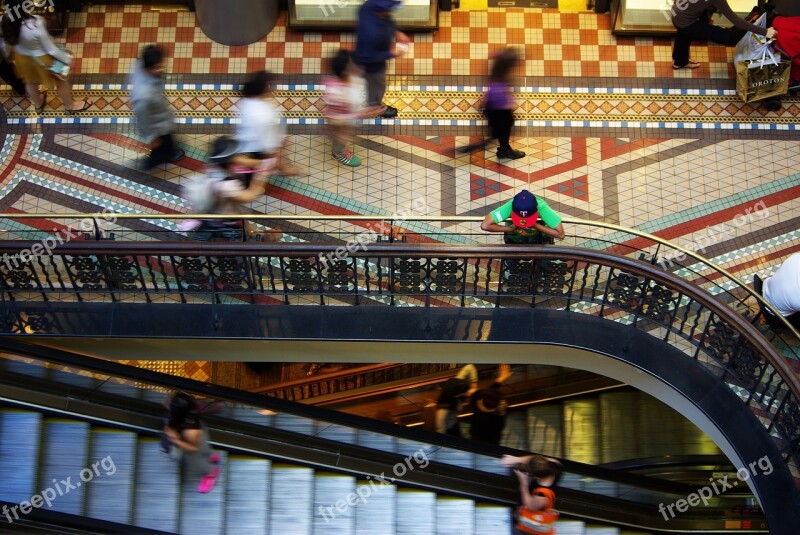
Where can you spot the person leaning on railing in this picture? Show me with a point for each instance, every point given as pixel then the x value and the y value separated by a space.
pixel 518 220
pixel 782 290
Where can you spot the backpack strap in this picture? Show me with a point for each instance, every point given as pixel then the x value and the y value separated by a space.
pixel 545 492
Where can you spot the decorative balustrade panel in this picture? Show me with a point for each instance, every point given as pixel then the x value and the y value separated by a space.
pixel 615 288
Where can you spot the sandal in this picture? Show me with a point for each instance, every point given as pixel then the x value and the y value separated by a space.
pixel 86 105
pixel 40 109
pixel 690 65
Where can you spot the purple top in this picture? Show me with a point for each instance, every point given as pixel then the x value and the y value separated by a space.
pixel 499 97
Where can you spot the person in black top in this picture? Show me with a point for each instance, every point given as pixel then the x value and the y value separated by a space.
pixel 489 410
pixel 451 398
pixel 185 430
pixel 534 471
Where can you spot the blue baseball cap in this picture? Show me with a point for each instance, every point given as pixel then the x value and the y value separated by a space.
pixel 524 209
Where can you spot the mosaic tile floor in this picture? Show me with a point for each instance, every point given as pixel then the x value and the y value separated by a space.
pixel 629 142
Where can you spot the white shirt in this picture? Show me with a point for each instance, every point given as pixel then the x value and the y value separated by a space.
pixel 34 41
pixel 782 290
pixel 260 129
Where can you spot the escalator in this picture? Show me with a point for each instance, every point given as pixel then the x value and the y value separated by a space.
pixel 286 468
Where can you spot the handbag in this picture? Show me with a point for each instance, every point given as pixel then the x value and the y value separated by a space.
pixel 539 522
pixel 57 69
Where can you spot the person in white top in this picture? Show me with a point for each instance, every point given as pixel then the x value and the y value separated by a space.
pixel 34 53
pixel 782 290
pixel 260 133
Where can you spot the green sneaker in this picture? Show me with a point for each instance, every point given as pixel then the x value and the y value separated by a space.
pixel 348 158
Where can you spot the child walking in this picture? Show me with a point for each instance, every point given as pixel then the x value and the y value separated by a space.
pixel 498 104
pixel 342 107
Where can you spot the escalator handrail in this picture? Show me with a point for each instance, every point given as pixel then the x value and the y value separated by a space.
pixel 217 392
pixel 39 517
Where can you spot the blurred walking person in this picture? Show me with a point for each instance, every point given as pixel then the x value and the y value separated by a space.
pixel 377 41
pixel 154 116
pixel 189 435
pixel 34 52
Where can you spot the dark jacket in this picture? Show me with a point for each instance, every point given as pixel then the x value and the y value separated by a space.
pixel 374 38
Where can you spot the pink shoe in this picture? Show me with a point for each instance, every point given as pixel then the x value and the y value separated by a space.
pixel 214 459
pixel 208 482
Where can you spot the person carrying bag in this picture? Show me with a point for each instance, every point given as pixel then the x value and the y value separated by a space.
pixel 760 72
pixel 37 59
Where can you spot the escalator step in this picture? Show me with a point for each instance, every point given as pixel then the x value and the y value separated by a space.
pixel 113 460
pixel 334 504
pixel 204 513
pixel 247 414
pixel 376 511
pixel 455 516
pixel 570 527
pixel 296 424
pixel 378 441
pixel 157 488
pixel 20 432
pixel 416 513
pixel 292 499
pixel 338 433
pixel 65 458
pixel 492 519
pixel 484 463
pixel 247 500
pixel 601 531
pixel 454 457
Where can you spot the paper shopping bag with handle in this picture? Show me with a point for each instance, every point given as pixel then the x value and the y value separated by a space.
pixel 755 82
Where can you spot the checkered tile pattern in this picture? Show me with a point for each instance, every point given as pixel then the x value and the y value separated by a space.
pixel 107 39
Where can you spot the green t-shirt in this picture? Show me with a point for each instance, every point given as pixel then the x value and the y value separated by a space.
pixel 502 216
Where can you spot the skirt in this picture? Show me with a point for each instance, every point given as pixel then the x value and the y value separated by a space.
pixel 32 72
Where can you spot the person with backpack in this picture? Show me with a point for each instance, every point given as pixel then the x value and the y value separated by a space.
pixel 537 476
pixel 222 190
pixel 187 433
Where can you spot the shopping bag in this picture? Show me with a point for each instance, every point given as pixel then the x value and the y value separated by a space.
pixel 754 83
pixel 753 46
pixel 539 522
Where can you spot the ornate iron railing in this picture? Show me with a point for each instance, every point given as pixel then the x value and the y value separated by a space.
pixel 408 227
pixel 582 281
